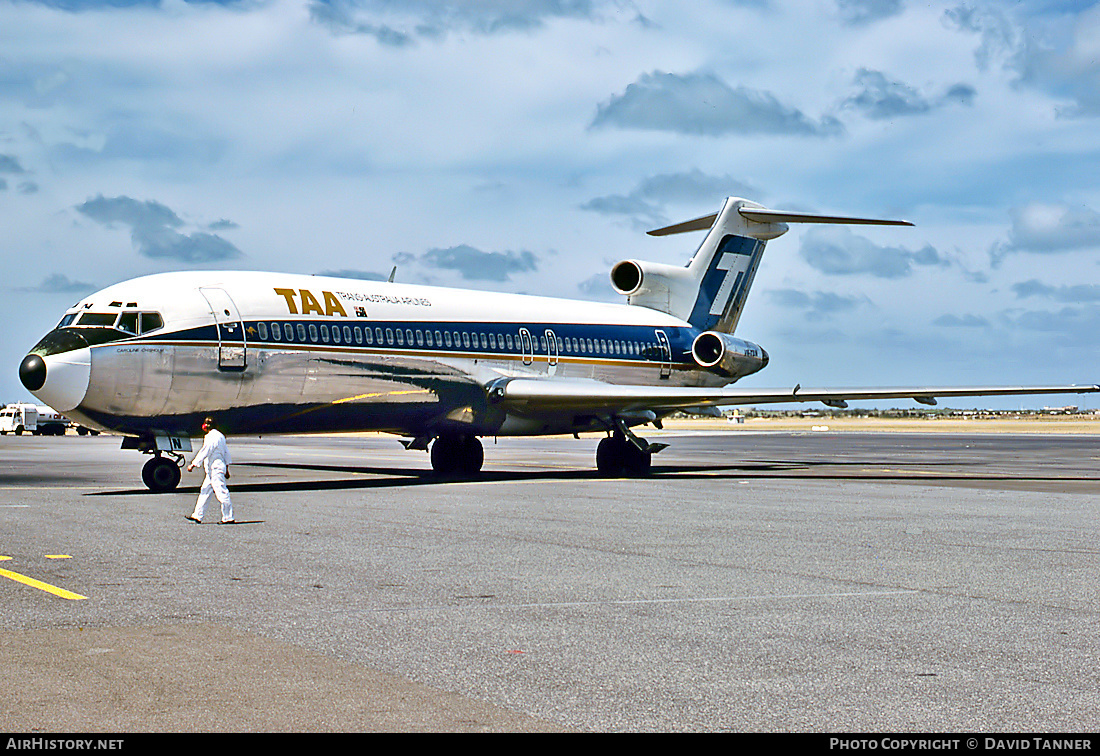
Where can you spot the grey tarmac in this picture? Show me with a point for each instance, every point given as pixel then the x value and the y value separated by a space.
pixel 794 582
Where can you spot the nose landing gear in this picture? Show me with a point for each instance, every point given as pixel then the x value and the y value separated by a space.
pixel 161 473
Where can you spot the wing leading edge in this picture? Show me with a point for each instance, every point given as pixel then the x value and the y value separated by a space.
pixel 533 394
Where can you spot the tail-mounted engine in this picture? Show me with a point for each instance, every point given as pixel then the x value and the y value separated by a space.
pixel 654 285
pixel 727 355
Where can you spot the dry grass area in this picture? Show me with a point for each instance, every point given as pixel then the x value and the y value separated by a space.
pixel 1001 424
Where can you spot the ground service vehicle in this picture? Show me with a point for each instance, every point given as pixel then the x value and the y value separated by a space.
pixel 19 418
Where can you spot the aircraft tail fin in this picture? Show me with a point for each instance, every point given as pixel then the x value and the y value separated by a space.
pixel 711 292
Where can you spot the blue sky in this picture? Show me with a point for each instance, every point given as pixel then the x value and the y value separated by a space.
pixel 526 145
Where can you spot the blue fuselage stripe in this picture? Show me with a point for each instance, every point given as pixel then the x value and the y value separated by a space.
pixel 452 339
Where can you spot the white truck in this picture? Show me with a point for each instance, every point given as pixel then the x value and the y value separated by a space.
pixel 19 418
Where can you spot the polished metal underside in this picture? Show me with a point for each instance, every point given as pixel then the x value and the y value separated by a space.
pixel 149 388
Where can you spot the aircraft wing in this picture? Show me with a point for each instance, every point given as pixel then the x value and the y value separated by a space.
pixel 535 394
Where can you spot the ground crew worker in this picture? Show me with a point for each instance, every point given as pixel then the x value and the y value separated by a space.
pixel 214 458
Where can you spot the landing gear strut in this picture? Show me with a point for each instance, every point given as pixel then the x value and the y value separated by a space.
pixel 161 473
pixel 457 455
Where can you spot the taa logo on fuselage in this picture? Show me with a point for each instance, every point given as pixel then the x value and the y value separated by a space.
pixel 310 303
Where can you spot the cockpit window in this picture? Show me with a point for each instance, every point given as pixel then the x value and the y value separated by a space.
pixel 151 321
pixel 127 322
pixel 78 330
pixel 131 323
pixel 97 319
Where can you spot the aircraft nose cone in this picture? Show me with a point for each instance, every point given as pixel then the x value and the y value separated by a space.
pixel 32 372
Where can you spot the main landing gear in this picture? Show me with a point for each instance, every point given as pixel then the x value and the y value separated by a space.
pixel 457 455
pixel 618 458
pixel 161 473
pixel 621 455
pixel 625 455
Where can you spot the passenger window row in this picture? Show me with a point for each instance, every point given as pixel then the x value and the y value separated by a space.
pixel 420 337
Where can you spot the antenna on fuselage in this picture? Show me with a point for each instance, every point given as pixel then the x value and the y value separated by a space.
pixel 393 273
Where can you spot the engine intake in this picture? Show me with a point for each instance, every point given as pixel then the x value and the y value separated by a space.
pixel 666 288
pixel 626 277
pixel 727 355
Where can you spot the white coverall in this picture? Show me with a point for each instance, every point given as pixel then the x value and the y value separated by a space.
pixel 214 458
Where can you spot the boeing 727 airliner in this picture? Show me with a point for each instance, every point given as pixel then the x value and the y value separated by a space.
pixel 272 353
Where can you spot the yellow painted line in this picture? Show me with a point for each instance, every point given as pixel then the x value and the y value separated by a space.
pixel 41 586
pixel 58 556
pixel 383 393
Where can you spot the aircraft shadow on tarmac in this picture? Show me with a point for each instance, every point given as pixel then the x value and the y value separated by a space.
pixel 824 470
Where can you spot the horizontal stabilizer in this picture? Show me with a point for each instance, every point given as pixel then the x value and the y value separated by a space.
pixel 763 215
pixel 699 224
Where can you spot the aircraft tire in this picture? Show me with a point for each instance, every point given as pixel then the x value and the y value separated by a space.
pixel 610 455
pixel 637 463
pixel 618 458
pixel 454 455
pixel 473 455
pixel 160 474
pixel 443 456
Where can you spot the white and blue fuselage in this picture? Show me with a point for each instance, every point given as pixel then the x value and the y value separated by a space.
pixel 279 353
